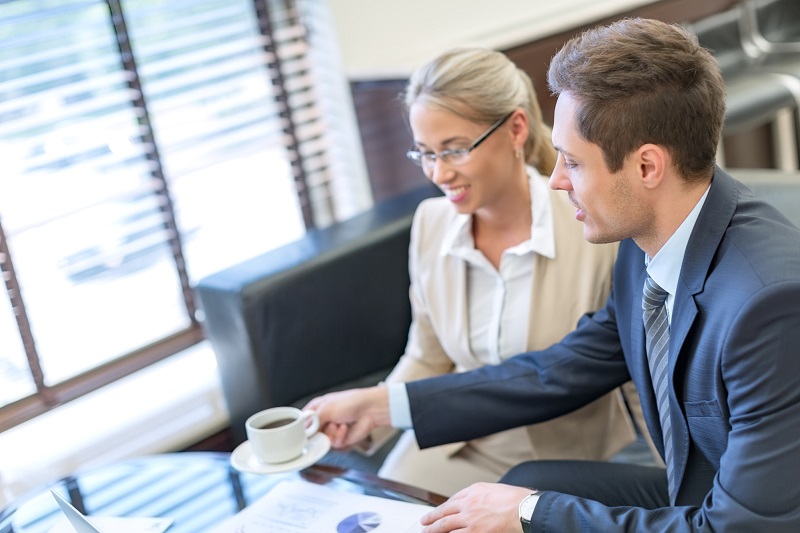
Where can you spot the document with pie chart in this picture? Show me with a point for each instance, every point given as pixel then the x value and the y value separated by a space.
pixel 300 507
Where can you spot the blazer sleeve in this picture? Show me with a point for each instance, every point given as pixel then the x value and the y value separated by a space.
pixel 525 389
pixel 756 487
pixel 424 355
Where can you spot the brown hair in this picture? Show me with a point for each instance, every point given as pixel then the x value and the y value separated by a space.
pixel 641 81
pixel 483 86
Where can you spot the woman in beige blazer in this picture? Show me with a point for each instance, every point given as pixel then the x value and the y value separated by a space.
pixel 498 265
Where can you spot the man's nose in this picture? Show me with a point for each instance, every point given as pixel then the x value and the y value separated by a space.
pixel 558 179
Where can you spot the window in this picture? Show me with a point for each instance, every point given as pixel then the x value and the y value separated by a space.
pixel 144 145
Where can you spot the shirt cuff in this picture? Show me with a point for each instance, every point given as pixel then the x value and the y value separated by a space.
pixel 399 407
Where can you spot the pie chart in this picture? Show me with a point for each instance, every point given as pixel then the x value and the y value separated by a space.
pixel 359 523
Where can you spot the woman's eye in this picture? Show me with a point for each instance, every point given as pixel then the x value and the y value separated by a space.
pixel 569 164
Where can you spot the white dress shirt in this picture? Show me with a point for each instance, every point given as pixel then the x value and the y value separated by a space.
pixel 665 267
pixel 498 299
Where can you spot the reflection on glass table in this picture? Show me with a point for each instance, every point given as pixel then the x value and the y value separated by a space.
pixel 196 489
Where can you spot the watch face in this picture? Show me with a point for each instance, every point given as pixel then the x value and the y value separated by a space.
pixel 526 507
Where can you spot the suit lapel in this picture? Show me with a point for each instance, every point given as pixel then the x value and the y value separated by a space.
pixel 708 232
pixel 444 283
pixel 451 307
pixel 684 312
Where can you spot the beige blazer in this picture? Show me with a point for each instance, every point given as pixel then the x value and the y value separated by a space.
pixel 563 289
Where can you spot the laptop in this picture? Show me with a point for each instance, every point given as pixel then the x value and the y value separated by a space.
pixel 82 524
pixel 75 517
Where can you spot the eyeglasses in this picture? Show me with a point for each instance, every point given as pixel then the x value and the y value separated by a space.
pixel 455 156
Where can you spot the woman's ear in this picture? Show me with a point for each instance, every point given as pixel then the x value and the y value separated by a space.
pixel 519 128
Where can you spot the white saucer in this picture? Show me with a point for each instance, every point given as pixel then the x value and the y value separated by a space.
pixel 244 460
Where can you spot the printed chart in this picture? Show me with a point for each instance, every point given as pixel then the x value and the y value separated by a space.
pixel 359 523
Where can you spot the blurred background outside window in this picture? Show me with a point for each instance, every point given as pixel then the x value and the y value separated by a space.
pixel 144 145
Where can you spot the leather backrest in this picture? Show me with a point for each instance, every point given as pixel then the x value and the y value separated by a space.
pixel 779 188
pixel 327 309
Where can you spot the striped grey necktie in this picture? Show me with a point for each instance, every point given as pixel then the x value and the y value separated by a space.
pixel 656 328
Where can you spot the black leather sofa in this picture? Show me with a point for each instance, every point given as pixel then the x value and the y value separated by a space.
pixel 331 310
pixel 328 311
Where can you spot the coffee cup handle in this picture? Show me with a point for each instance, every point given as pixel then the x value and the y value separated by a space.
pixel 313 426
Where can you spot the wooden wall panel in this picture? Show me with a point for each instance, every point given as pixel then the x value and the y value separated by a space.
pixel 534 57
pixel 386 138
pixel 384 128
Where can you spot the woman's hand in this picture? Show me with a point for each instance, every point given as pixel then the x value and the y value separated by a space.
pixel 348 417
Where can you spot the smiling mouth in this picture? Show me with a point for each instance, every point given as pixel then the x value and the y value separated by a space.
pixel 454 193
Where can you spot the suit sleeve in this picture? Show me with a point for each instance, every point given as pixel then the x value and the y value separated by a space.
pixel 525 389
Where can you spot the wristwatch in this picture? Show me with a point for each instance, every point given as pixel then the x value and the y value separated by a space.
pixel 526 510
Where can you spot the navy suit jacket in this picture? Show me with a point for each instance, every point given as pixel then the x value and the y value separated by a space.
pixel 734 378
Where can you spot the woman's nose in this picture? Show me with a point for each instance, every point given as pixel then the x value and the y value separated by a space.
pixel 439 172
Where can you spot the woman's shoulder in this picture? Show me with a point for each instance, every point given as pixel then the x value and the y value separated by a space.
pixel 433 219
pixel 435 212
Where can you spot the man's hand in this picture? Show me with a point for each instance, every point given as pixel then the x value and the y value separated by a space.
pixel 480 508
pixel 348 417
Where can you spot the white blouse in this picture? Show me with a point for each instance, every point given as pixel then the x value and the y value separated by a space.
pixel 499 299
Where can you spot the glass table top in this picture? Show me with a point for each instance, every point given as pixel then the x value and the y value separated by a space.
pixel 197 489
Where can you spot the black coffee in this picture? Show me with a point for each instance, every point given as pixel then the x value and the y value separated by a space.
pixel 276 423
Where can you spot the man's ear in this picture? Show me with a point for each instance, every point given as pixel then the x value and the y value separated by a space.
pixel 651 161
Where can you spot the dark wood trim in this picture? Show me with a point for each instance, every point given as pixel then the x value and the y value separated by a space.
pixel 322 473
pixel 534 57
pixel 218 442
pixel 385 137
pixel 32 406
pixel 381 118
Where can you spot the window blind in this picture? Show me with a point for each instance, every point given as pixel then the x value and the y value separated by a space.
pixel 132 133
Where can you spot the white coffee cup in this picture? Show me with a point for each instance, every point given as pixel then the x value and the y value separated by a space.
pixel 279 434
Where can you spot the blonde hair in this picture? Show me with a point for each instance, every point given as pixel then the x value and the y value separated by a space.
pixel 483 86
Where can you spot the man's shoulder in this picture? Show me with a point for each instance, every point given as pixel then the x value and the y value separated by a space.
pixel 763 236
pixel 741 239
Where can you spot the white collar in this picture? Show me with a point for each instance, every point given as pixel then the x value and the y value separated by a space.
pixel 665 267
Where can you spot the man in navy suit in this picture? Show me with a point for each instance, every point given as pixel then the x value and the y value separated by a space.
pixel 637 123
